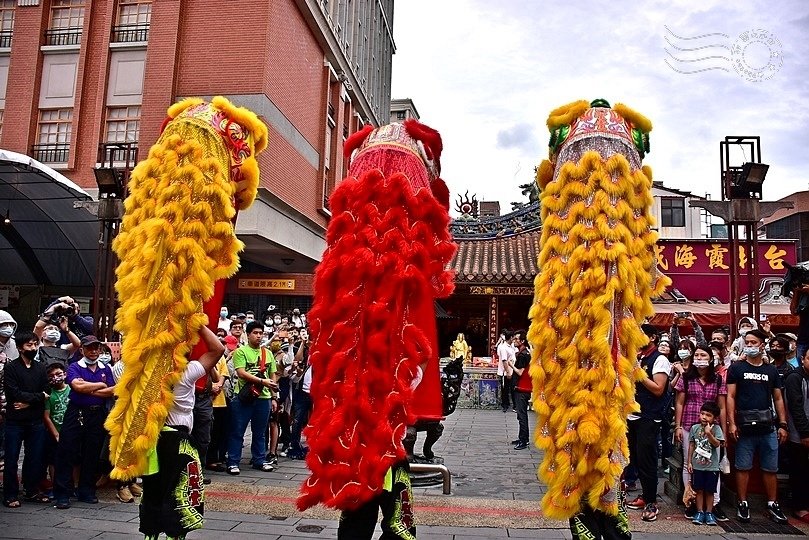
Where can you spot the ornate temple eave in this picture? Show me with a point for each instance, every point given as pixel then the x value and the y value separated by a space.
pixel 504 261
pixel 522 220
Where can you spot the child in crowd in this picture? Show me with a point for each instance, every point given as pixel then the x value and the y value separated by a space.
pixel 55 408
pixel 703 461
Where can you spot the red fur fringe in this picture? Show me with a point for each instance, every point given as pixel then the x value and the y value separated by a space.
pixel 355 140
pixel 429 137
pixel 440 192
pixel 372 324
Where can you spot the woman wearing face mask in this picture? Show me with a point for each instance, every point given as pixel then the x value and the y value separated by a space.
pixel 8 350
pixel 699 384
pixel 682 360
pixel 49 335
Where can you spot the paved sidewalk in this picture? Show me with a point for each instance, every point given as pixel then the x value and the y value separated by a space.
pixel 492 483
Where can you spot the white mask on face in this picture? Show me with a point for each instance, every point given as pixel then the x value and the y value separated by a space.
pixel 52 335
pixel 752 352
pixel 7 331
pixel 683 353
pixel 701 363
pixel 104 358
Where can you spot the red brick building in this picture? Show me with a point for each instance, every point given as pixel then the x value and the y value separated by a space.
pixel 84 81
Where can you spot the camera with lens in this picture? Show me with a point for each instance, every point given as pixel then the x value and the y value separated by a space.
pixel 60 311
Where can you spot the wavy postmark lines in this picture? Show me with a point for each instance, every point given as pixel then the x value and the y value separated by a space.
pixel 755 54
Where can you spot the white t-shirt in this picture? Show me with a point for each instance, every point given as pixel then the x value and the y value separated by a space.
pixel 182 413
pixel 224 324
pixel 504 352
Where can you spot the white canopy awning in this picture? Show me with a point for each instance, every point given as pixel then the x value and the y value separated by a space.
pixel 46 241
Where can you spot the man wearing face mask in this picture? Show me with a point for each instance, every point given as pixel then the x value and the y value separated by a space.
pixel 792 352
pixel 224 321
pixel 82 435
pixel 779 349
pixel 26 387
pixel 8 349
pixel 753 386
pixel 49 350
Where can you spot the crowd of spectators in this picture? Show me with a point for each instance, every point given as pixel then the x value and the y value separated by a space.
pixel 57 386
pixel 746 392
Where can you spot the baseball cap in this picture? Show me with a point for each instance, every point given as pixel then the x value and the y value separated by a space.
pixel 89 340
pixel 789 335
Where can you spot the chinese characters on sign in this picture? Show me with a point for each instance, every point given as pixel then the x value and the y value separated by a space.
pixel 267 284
pixel 708 256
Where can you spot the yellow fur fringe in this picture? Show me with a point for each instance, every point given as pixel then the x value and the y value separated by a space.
pixel 176 240
pixel 564 115
pixel 595 256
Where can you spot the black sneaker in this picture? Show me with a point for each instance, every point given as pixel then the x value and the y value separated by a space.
pixel 516 441
pixel 775 513
pixel 691 511
pixel 719 514
pixel 743 512
pixel 521 446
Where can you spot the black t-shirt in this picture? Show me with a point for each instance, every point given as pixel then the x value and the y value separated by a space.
pixel 754 385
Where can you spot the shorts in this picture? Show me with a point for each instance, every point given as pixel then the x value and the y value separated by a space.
pixel 704 480
pixel 767 446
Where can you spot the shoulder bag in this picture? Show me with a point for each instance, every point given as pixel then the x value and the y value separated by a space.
pixel 250 392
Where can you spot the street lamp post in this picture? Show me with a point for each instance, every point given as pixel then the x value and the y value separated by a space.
pixel 116 161
pixel 741 208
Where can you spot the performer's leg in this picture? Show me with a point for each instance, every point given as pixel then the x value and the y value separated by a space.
pixel 409 441
pixel 203 421
pixel 359 524
pixel 434 432
pixel 397 506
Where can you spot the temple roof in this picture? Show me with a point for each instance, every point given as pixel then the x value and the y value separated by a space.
pixel 522 220
pixel 508 259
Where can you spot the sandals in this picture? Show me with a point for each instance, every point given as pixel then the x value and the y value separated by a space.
pixel 13 503
pixel 37 498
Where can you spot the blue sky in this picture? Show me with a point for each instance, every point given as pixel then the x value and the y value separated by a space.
pixel 486 74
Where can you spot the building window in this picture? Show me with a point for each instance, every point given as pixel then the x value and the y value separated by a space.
pixel 55 127
pixel 401 115
pixel 672 212
pixel 123 124
pixel 67 21
pixel 6 22
pixel 134 17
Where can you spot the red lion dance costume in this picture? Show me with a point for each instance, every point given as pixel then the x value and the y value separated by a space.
pixel 373 324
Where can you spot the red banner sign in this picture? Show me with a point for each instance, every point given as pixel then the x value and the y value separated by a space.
pixel 700 269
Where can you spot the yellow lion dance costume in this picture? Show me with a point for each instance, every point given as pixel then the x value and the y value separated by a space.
pixel 597 277
pixel 176 246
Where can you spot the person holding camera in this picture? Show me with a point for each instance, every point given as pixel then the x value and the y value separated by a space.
pixel 753 387
pixel 255 371
pixel 49 335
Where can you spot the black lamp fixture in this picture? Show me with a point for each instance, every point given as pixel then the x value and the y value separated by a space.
pixel 110 181
pixel 748 180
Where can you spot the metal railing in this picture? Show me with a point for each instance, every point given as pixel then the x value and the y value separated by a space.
pixel 63 36
pixel 118 155
pixel 5 38
pixel 130 33
pixel 51 153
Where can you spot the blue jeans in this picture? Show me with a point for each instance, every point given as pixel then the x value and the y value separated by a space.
pixel 301 407
pixel 767 447
pixel 32 434
pixel 258 415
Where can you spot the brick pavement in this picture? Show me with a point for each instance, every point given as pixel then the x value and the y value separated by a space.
pixel 475 446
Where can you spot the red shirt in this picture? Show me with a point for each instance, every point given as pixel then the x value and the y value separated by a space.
pixel 523 362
